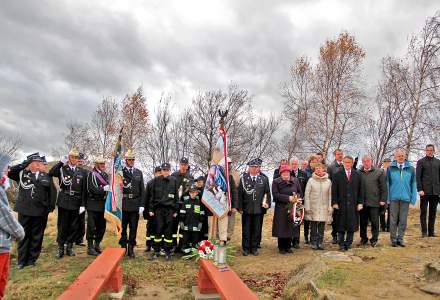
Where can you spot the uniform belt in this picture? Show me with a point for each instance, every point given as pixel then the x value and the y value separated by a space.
pixel 70 193
pixel 129 196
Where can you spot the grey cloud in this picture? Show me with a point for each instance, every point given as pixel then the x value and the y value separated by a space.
pixel 59 58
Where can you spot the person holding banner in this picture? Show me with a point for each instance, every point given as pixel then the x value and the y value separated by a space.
pixel 132 202
pixel 253 198
pixel 163 207
pixel 284 190
pixel 72 181
pixel 97 188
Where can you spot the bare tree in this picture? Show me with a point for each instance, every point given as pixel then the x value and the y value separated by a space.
pixel 158 145
pixel 323 102
pixel 205 125
pixel 79 135
pixel 9 144
pixel 104 126
pixel 384 122
pixel 134 118
pixel 419 73
pixel 182 133
pixel 297 93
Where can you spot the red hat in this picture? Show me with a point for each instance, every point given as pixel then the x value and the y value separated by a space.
pixel 284 168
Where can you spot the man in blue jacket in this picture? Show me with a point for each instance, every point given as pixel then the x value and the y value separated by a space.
pixel 402 190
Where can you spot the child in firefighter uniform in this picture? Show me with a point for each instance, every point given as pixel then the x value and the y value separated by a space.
pixel 191 218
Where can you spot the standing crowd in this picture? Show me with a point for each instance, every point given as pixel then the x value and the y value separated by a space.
pixel 177 220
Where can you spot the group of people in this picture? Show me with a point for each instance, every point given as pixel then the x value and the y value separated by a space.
pixel 171 203
pixel 351 199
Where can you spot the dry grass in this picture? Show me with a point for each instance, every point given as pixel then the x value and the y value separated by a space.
pixel 383 272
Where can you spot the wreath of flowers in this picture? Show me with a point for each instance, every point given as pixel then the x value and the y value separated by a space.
pixel 295 216
pixel 205 250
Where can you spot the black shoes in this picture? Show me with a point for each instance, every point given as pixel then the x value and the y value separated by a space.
pixel 335 240
pixel 432 235
pixel 424 234
pixel 393 244
pixel 20 266
pixel 153 256
pixel 315 247
pixel 80 243
pixel 147 249
pixel 320 247
pixel 69 250
pixel 363 242
pixel 168 257
pixel 289 250
pixel 60 253
pixel 245 252
pixel 401 243
pixel 341 248
pixel 282 251
pixel 130 251
pixel 296 245
pixel 97 248
pixel 255 252
pixel 373 243
pixel 306 240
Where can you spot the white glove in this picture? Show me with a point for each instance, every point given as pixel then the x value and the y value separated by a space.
pixel 141 210
pixel 107 188
pixel 82 209
pixel 64 159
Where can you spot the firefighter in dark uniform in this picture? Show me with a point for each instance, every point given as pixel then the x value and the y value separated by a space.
pixel 184 181
pixel 200 183
pixel 132 203
pixel 253 199
pixel 79 241
pixel 163 206
pixel 191 215
pixel 36 198
pixel 72 181
pixel 97 188
pixel 149 227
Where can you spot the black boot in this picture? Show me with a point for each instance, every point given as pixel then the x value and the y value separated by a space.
pixel 69 249
pixel 97 248
pixel 60 253
pixel 91 248
pixel 130 251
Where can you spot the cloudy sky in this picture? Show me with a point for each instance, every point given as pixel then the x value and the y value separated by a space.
pixel 59 58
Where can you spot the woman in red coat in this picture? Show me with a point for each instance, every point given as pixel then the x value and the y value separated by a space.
pixel 283 189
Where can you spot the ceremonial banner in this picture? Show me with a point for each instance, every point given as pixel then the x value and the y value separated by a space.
pixel 216 195
pixel 113 203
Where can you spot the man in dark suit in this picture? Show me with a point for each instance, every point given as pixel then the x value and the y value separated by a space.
pixel 253 198
pixel 347 200
pixel 35 200
pixel 334 167
pixel 428 187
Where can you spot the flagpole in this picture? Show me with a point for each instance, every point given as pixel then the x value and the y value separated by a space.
pixel 222 115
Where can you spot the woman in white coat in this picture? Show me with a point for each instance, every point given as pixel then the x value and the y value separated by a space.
pixel 317 199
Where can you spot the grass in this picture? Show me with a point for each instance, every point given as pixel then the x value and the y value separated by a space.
pixel 334 278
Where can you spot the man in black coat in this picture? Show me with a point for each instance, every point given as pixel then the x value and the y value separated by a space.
pixel 132 202
pixel 149 227
pixel 347 200
pixel 163 206
pixel 72 181
pixel 97 188
pixel 276 173
pixel 35 200
pixel 302 178
pixel 428 187
pixel 375 198
pixel 253 198
pixel 334 167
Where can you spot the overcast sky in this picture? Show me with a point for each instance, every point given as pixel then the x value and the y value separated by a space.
pixel 59 58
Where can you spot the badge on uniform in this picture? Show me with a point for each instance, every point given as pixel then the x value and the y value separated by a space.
pixel 171 196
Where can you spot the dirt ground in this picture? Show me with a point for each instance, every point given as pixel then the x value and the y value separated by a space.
pixel 370 273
